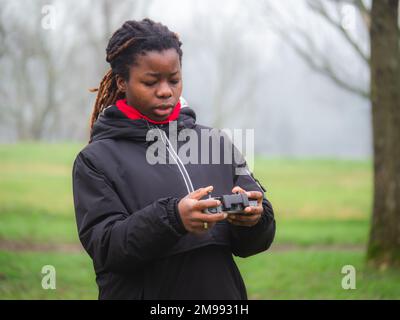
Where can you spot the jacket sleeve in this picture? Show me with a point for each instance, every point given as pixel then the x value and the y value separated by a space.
pixel 118 240
pixel 248 241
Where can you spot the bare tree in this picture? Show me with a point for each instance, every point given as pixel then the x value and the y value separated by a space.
pixel 301 40
pixel 234 70
pixel 231 93
pixel 381 23
pixel 110 16
pixel 384 242
pixel 46 73
pixel 30 100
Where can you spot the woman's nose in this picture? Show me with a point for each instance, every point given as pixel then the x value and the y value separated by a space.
pixel 164 91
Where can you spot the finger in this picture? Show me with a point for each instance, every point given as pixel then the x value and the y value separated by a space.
pixel 237 222
pixel 200 193
pixel 210 225
pixel 207 203
pixel 244 220
pixel 249 218
pixel 200 225
pixel 253 210
pixel 197 227
pixel 254 194
pixel 204 217
pixel 238 189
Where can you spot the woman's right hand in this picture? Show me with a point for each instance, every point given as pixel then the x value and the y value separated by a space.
pixel 190 210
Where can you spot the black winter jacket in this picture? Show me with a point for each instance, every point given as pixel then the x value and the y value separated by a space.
pixel 128 222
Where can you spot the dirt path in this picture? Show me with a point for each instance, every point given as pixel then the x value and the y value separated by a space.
pixel 21 246
pixel 317 247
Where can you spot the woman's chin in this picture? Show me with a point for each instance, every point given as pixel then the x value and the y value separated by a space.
pixel 161 114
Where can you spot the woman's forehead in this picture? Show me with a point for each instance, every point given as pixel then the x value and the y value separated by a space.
pixel 152 62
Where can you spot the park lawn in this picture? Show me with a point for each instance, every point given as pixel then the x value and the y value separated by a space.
pixel 36 192
pixel 315 274
pixel 21 275
pixel 39 227
pixel 315 201
pixel 272 275
pixel 322 209
pixel 322 189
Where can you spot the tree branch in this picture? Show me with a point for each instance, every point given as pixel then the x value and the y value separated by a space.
pixel 324 68
pixel 311 55
pixel 364 11
pixel 319 8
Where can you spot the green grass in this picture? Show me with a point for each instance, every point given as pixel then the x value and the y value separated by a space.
pixel 315 275
pixel 275 275
pixel 317 189
pixel 21 223
pixel 42 226
pixel 36 192
pixel 322 232
pixel 317 203
pixel 21 277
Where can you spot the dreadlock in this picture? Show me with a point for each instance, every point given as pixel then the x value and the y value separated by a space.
pixel 130 40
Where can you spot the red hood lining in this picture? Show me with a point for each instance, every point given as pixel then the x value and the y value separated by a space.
pixel 132 113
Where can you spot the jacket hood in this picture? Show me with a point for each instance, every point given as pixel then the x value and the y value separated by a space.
pixel 113 124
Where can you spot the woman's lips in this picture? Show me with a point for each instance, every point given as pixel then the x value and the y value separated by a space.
pixel 163 110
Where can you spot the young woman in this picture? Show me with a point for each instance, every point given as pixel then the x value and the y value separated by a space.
pixel 143 224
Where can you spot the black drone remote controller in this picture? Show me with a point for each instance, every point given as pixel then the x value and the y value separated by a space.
pixel 232 204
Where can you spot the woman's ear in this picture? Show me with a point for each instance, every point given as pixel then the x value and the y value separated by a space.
pixel 121 83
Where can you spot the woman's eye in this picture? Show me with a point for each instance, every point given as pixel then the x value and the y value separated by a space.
pixel 149 84
pixel 175 81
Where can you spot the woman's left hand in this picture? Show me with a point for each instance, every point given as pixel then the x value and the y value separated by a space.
pixel 250 215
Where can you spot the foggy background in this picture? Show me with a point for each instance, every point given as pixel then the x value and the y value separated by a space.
pixel 238 70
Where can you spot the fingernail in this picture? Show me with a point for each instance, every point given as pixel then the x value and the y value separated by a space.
pixel 225 215
pixel 218 202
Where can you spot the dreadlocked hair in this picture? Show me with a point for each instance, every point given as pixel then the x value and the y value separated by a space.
pixel 130 40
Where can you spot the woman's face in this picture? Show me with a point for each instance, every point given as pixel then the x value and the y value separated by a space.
pixel 155 83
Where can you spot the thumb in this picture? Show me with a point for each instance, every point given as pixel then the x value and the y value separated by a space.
pixel 200 193
pixel 238 189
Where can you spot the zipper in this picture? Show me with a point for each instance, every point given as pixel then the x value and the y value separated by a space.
pixel 178 161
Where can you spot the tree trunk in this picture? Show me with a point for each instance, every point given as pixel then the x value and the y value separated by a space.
pixel 384 242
